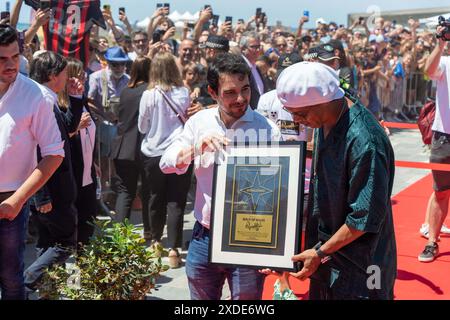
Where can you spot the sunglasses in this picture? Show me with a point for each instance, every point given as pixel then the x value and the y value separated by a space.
pixel 300 114
pixel 140 41
pixel 255 47
pixel 117 64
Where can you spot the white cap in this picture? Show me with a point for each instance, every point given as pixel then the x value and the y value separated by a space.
pixel 320 21
pixel 307 84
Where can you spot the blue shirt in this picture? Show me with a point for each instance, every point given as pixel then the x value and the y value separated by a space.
pixel 115 87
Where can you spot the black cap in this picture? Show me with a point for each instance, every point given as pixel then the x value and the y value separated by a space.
pixel 306 39
pixel 217 42
pixel 324 52
pixel 287 60
pixel 336 44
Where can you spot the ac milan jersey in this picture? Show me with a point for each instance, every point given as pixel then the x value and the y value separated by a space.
pixel 68 30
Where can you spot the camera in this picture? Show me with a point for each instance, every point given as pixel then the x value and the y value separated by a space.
pixel 4 15
pixel 157 36
pixel 45 4
pixel 442 22
pixel 215 20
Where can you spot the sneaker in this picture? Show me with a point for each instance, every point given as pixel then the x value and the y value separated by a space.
pixel 287 294
pixel 430 253
pixel 425 229
pixel 445 229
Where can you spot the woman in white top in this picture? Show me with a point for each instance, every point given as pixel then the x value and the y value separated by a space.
pixel 162 114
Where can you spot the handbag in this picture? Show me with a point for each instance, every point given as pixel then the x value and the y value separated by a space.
pixel 425 121
pixel 180 115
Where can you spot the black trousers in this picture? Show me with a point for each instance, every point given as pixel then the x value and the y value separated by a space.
pixel 167 200
pixel 129 172
pixel 58 227
pixel 86 205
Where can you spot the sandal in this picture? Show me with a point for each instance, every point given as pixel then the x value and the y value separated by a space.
pixel 174 259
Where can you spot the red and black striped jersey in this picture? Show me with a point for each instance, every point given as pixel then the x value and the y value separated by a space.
pixel 69 27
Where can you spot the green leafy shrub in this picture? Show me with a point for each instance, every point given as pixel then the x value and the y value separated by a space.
pixel 116 265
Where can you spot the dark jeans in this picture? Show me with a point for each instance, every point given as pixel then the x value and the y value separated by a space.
pixel 12 246
pixel 129 173
pixel 56 242
pixel 167 197
pixel 206 280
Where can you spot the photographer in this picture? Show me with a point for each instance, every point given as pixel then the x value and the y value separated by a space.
pixel 437 68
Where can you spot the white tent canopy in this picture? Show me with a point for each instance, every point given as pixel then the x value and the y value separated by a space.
pixel 178 18
pixel 432 22
pixel 144 23
pixel 175 16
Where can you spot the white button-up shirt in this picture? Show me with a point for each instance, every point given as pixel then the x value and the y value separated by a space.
pixel 26 120
pixel 259 81
pixel 251 127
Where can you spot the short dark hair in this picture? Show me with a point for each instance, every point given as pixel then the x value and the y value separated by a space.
pixel 45 65
pixel 8 35
pixel 226 63
pixel 139 32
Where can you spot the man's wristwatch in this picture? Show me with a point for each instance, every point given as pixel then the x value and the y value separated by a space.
pixel 320 253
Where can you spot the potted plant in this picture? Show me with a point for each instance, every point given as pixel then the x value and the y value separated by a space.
pixel 114 266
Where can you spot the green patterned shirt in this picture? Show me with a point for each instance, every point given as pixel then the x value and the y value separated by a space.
pixel 353 185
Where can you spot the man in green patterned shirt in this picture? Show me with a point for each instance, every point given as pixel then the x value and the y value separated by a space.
pixel 350 192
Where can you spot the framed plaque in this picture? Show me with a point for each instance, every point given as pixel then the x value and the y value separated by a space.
pixel 257 206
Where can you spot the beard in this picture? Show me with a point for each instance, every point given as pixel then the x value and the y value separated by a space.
pixel 8 79
pixel 117 75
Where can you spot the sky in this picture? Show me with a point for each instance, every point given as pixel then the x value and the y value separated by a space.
pixel 288 11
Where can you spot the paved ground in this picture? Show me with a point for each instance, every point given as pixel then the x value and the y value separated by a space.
pixel 172 285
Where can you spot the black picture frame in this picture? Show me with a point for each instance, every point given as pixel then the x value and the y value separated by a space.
pixel 257 206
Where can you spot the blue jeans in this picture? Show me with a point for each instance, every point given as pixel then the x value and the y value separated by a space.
pixel 47 258
pixel 206 280
pixel 12 246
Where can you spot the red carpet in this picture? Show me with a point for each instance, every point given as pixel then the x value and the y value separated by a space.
pixel 415 280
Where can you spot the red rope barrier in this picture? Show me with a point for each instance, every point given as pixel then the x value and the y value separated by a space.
pixel 422 165
pixel 399 125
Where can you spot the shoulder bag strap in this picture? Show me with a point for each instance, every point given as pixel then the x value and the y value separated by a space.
pixel 180 115
pixel 105 102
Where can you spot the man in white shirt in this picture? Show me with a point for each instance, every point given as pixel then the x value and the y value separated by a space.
pixel 437 68
pixel 206 132
pixel 26 120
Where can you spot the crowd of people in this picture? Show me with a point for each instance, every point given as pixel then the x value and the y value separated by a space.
pixel 131 119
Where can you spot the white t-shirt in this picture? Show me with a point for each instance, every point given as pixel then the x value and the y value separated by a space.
pixel 87 137
pixel 206 122
pixel 442 77
pixel 158 121
pixel 26 121
pixel 271 107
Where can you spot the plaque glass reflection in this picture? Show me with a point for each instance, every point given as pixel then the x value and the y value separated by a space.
pixel 257 205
